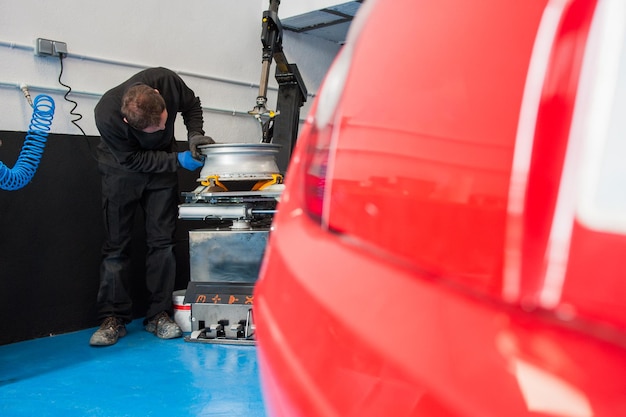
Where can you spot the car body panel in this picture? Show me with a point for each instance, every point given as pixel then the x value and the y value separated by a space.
pixel 429 256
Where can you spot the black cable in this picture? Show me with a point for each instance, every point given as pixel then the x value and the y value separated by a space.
pixel 78 115
pixel 69 90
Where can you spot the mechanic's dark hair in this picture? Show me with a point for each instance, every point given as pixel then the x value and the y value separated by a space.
pixel 142 106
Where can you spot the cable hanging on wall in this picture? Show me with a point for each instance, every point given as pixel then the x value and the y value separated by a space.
pixel 32 150
pixel 77 116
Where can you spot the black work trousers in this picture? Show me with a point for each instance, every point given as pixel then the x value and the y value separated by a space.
pixel 157 195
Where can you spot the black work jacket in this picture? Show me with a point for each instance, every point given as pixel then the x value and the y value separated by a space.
pixel 130 149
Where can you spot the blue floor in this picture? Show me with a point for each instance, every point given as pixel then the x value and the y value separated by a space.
pixel 139 376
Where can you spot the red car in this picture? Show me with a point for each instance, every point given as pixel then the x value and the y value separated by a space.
pixel 451 240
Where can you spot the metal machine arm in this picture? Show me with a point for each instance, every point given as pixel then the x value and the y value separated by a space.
pixel 291 90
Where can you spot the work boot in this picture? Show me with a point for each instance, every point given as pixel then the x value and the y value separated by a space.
pixel 110 330
pixel 163 326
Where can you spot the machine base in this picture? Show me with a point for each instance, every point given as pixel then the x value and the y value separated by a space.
pixel 199 338
pixel 221 312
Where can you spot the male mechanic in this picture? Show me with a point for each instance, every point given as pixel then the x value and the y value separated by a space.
pixel 137 160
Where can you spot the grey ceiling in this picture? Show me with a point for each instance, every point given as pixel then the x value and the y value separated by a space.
pixel 330 23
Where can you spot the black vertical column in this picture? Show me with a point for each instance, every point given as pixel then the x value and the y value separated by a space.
pixel 291 96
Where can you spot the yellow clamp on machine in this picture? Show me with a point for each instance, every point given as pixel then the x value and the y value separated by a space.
pixel 261 185
pixel 213 181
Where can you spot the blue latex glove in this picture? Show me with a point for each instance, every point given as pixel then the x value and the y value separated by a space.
pixel 188 162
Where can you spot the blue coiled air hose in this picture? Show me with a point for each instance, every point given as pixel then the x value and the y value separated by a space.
pixel 32 149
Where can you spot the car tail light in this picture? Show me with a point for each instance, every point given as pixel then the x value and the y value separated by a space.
pixel 324 130
pixel 315 170
pixel 318 141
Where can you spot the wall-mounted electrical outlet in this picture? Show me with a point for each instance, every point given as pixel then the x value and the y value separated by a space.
pixel 47 47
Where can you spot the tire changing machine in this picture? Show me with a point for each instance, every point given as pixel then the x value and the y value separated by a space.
pixel 238 192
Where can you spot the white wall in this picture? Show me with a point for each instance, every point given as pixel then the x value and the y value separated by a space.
pixel 215 46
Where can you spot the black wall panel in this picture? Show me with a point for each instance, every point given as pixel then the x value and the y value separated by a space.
pixel 50 240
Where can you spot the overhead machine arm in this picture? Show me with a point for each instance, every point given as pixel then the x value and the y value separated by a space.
pixel 280 126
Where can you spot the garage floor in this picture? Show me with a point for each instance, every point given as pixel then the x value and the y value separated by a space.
pixel 141 375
